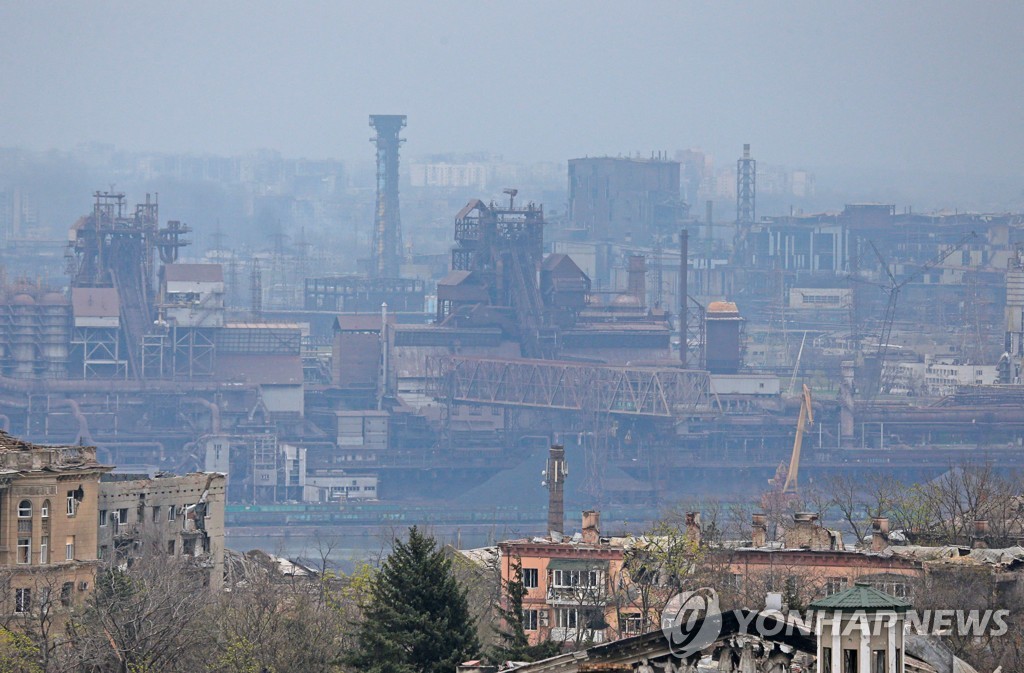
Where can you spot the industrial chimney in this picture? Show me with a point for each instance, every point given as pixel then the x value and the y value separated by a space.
pixel 591 527
pixel 759 530
pixel 637 278
pixel 684 249
pixel 554 478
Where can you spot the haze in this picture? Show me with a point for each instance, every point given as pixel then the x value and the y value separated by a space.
pixel 931 87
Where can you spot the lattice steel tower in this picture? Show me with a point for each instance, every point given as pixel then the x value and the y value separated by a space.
pixel 746 187
pixel 387 230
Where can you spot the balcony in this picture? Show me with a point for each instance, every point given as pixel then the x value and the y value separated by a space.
pixel 576 596
pixel 560 634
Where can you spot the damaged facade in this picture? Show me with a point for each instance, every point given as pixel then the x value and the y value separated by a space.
pixel 48 517
pixel 178 516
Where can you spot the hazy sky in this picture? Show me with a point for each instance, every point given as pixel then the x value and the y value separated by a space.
pixel 908 85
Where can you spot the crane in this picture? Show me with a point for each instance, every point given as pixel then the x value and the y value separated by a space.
pixel 805 420
pixel 894 293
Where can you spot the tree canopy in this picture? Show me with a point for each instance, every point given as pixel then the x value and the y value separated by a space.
pixel 417 619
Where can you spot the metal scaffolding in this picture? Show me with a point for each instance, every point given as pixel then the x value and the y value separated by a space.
pixel 653 392
pixel 746 188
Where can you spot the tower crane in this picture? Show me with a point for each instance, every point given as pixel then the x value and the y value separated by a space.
pixel 894 292
pixel 805 420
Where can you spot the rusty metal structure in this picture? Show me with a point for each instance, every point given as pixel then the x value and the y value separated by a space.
pixel 499 250
pixel 387 230
pixel 648 392
pixel 114 248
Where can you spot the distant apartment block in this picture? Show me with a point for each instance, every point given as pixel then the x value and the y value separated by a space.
pixel 618 198
pixel 448 175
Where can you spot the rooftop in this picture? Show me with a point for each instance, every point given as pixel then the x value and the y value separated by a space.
pixel 203 273
pixel 861 596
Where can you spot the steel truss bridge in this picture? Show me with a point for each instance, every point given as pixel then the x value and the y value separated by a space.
pixel 652 392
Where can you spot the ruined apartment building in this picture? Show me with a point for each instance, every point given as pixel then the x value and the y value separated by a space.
pixel 181 516
pixel 48 518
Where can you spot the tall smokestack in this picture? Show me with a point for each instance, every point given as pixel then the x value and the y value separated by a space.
pixel 684 249
pixel 555 475
pixel 387 230
pixel 637 278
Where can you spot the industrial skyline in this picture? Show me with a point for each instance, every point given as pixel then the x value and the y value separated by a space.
pixel 838 87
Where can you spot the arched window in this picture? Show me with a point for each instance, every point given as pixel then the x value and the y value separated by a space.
pixel 25 509
pixel 44 512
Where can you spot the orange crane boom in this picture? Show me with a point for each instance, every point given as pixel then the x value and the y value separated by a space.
pixel 806 419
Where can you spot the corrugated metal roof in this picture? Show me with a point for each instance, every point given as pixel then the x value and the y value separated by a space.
pixel 95 302
pixel 203 273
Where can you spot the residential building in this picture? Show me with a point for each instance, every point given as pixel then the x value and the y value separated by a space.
pixel 180 516
pixel 569 584
pixel 48 517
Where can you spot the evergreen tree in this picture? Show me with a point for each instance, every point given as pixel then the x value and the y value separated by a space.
pixel 513 644
pixel 418 619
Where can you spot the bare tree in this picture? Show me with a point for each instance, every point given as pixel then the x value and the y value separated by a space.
pixel 150 615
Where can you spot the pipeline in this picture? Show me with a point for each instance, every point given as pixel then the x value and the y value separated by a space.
pixel 84 436
pixel 214 412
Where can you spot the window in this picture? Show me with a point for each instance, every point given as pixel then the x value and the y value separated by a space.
pixel 104 552
pixel 122 516
pixel 156 513
pixel 66 590
pixel 834 585
pixel 632 624
pixel 44 511
pixel 826 660
pixel 530 579
pixel 69 548
pixel 22 601
pixel 566 618
pixel 529 620
pixel 24 550
pixel 44 549
pixel 170 512
pixel 878 661
pixel 575 578
pixel 170 547
pixel 72 504
pixel 24 509
pixel 849 661
pixel 103 517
